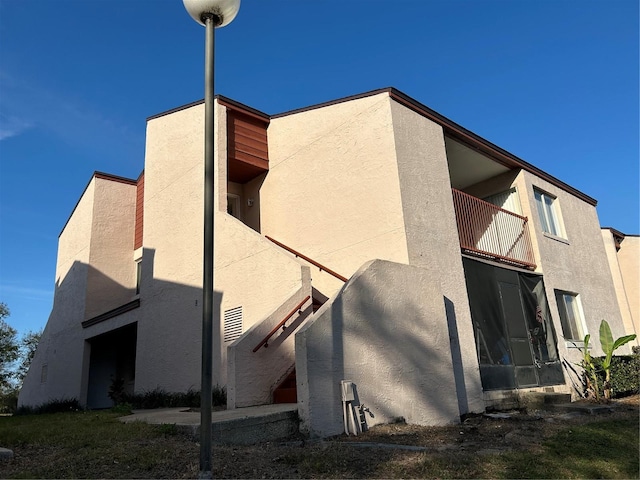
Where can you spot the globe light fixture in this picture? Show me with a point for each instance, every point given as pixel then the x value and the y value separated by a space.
pixel 224 10
pixel 212 14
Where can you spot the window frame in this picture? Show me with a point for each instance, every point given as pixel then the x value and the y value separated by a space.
pixel 138 276
pixel 549 213
pixel 571 316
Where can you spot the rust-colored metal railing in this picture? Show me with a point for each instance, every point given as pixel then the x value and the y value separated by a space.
pixel 304 257
pixel 282 324
pixel 489 231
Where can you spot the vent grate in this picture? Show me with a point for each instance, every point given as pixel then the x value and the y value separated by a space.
pixel 232 324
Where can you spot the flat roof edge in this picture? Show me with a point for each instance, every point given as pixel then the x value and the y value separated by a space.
pixel 450 127
pixel 333 102
pixel 103 176
pixel 459 132
pixel 222 100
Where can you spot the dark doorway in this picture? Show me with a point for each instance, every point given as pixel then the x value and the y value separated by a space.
pixel 113 359
pixel 515 338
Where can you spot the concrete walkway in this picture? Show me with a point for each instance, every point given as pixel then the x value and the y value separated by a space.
pixel 238 426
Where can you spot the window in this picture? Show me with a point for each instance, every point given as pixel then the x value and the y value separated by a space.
pixel 547 210
pixel 138 275
pixel 571 316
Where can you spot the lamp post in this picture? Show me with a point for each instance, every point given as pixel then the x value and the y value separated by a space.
pixel 212 14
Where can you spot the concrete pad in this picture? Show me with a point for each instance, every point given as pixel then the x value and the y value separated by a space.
pixel 239 426
pixel 583 408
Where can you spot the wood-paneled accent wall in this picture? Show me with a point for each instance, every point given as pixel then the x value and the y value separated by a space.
pixel 247 148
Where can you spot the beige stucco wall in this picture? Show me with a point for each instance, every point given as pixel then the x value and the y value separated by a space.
pixel 249 271
pixel 60 347
pixel 112 279
pixel 624 299
pixel 386 331
pixel 629 261
pixel 577 263
pixel 169 331
pixel 369 179
pixel 332 191
pixel 432 237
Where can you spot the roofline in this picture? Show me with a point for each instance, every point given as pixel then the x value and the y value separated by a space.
pixel 450 128
pixel 337 101
pixel 102 176
pixel 457 132
pixel 460 133
pixel 616 232
pixel 227 102
pixel 114 178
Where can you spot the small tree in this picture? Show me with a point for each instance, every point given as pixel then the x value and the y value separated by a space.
pixel 28 345
pixel 9 350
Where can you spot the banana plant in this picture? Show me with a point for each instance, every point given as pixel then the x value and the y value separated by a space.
pixel 590 371
pixel 609 345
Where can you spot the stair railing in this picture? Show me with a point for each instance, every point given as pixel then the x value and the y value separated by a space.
pixel 304 257
pixel 282 324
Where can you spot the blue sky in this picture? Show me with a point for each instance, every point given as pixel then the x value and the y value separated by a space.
pixel 554 82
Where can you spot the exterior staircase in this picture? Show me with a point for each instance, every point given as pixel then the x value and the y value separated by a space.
pixel 286 391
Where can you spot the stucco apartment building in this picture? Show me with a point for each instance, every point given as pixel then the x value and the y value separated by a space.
pixel 436 271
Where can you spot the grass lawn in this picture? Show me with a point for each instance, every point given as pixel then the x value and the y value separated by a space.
pixel 97 445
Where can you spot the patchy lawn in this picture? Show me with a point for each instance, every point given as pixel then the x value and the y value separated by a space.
pixel 97 445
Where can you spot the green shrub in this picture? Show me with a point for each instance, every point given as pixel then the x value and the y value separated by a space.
pixel 9 401
pixel 625 373
pixel 160 398
pixel 52 406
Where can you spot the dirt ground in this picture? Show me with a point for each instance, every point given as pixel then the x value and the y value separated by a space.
pixel 478 435
pixel 385 451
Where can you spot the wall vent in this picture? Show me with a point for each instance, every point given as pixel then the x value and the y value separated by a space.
pixel 232 324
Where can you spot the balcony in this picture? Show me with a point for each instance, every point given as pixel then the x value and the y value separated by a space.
pixel 491 232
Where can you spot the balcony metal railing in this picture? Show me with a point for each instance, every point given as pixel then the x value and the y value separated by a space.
pixel 488 231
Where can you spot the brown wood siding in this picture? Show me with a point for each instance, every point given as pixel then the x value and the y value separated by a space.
pixel 248 152
pixel 137 242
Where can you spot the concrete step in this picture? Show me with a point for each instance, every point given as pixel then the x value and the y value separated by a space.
pixel 240 426
pixel 257 429
pixel 544 400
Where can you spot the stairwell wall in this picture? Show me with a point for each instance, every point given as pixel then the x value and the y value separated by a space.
pixel 386 331
pixel 332 191
pixel 253 375
pixel 432 237
pixel 249 271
